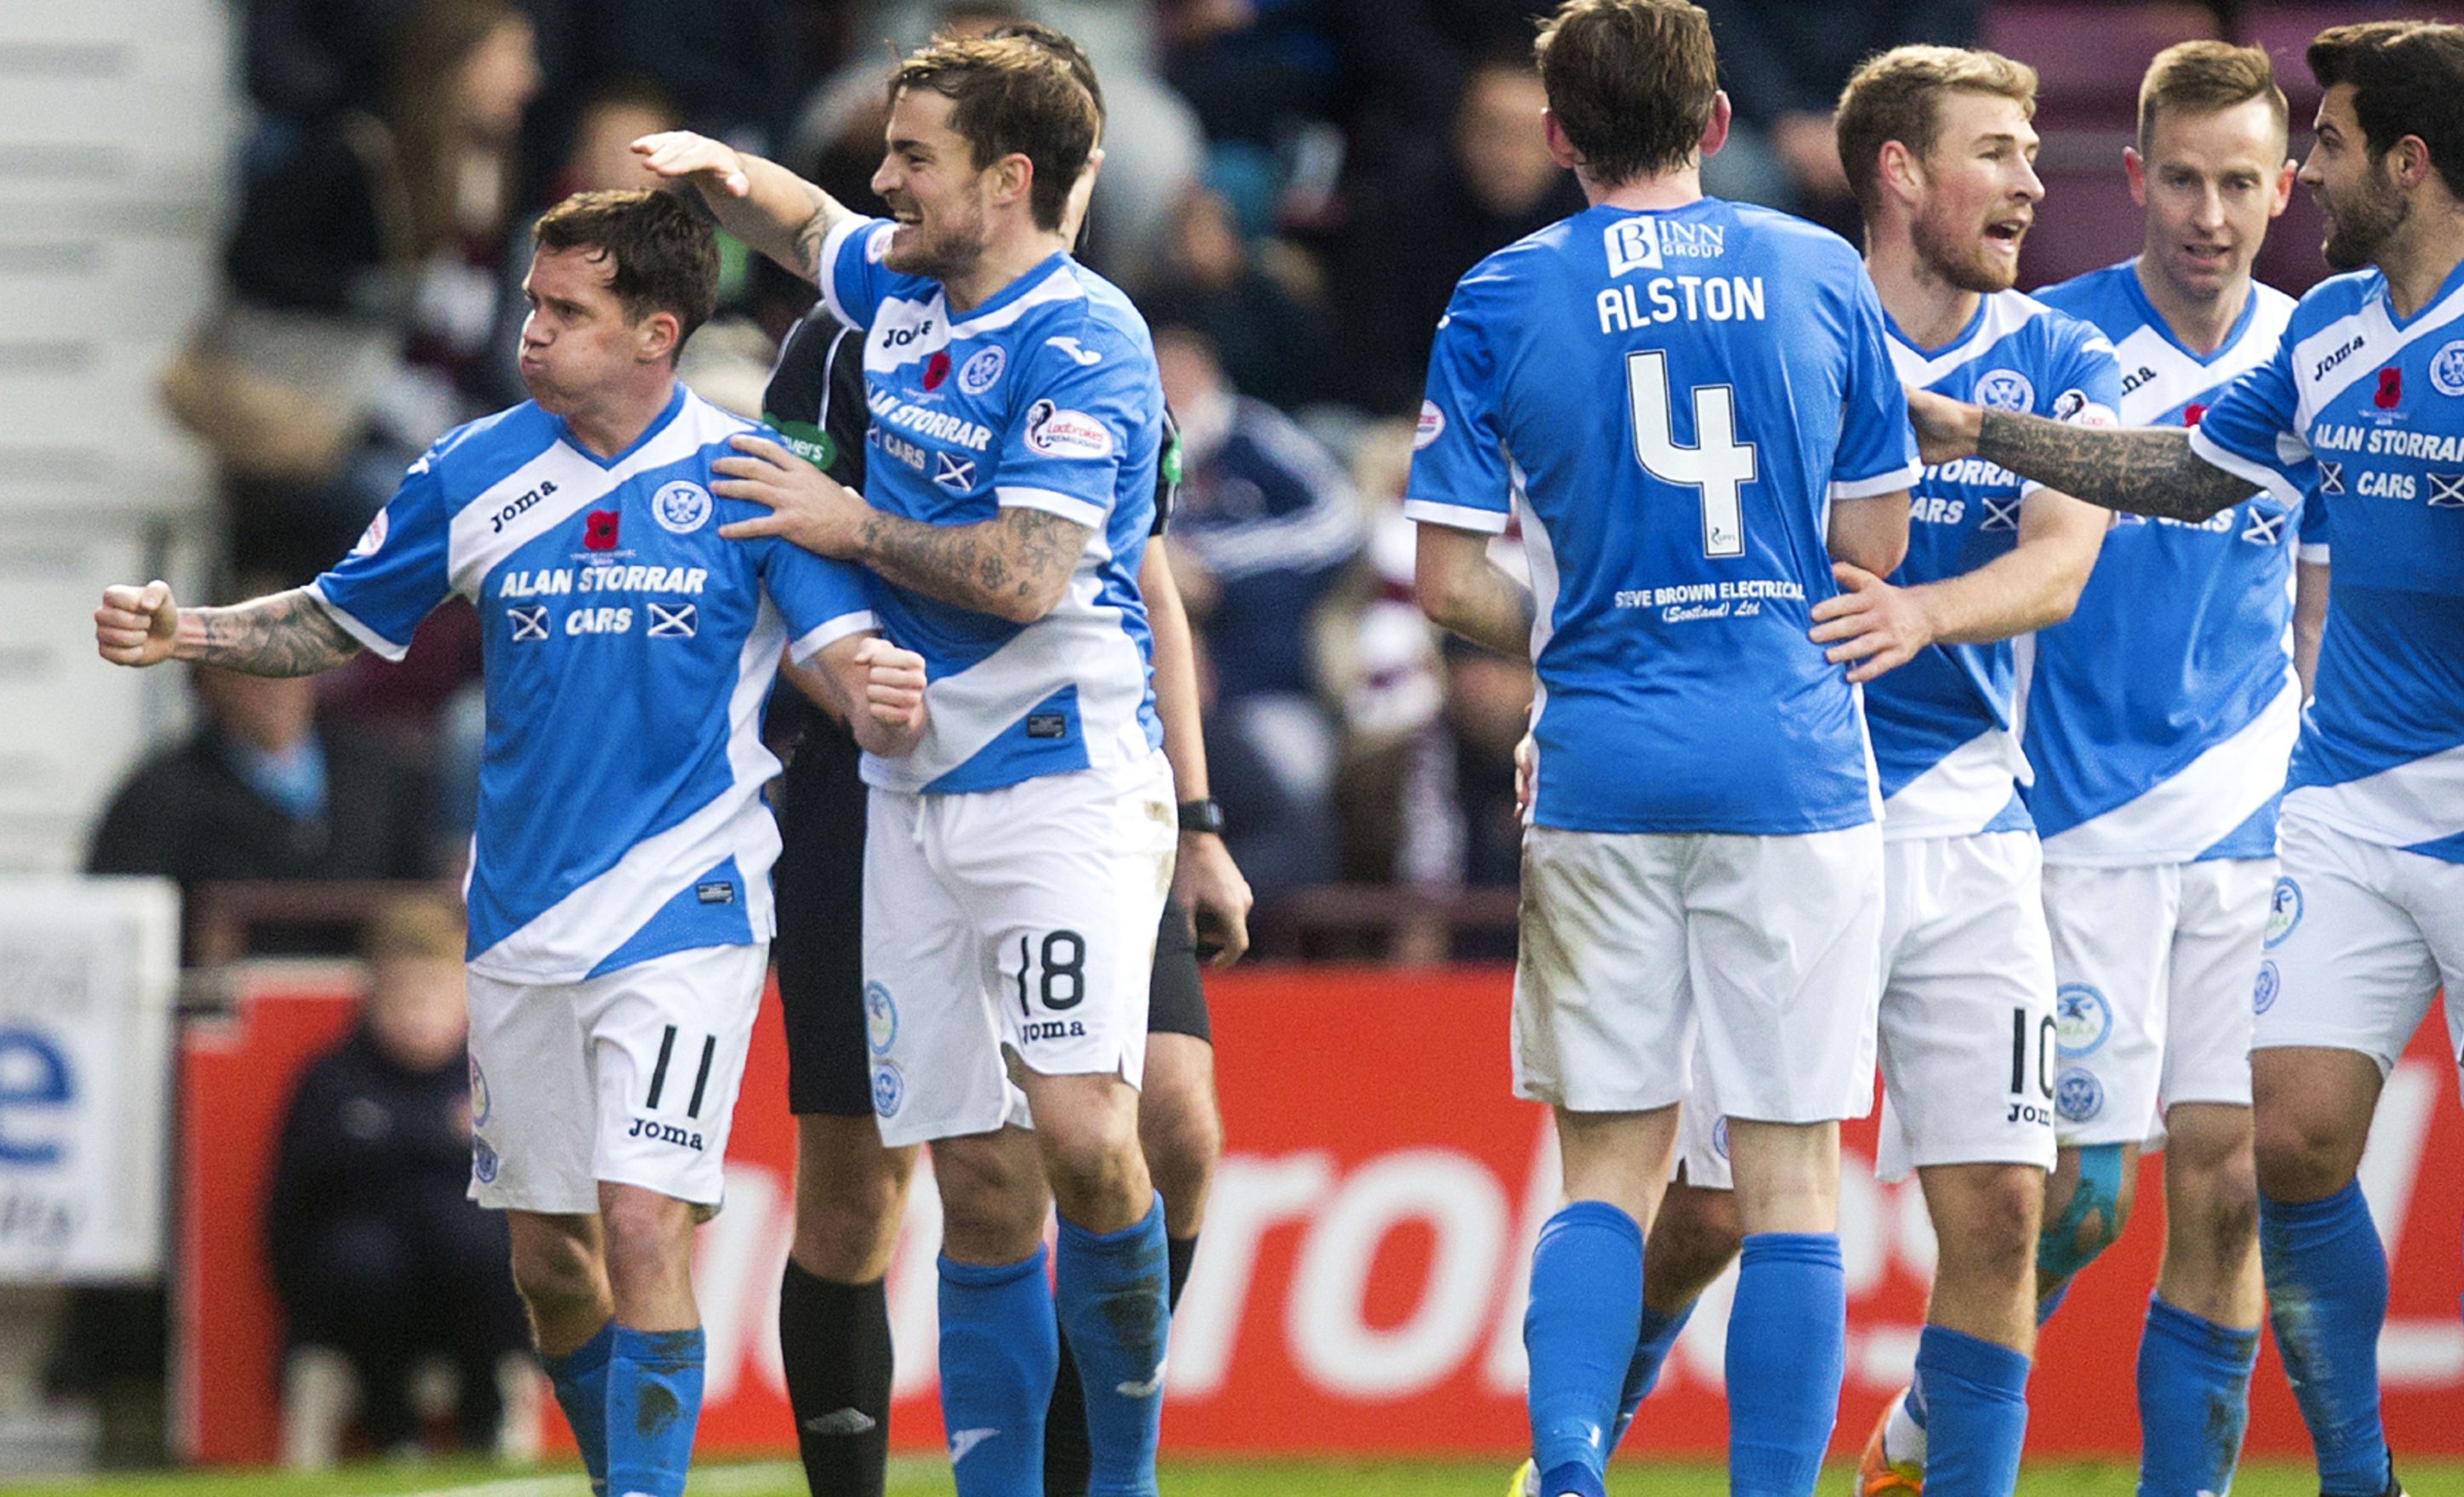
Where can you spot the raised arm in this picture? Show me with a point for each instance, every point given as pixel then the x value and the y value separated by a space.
pixel 1461 589
pixel 769 208
pixel 2140 470
pixel 282 633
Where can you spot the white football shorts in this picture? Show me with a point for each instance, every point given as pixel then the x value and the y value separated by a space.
pixel 1966 1030
pixel 2359 938
pixel 629 1078
pixel 1020 921
pixel 1635 945
pixel 2153 968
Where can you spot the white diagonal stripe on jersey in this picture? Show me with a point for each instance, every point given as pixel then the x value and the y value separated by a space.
pixel 474 548
pixel 2381 342
pixel 2420 800
pixel 2182 815
pixel 2004 314
pixel 1961 793
pixel 2446 491
pixel 2179 378
pixel 564 942
pixel 1081 640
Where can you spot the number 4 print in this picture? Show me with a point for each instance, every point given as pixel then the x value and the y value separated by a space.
pixel 1717 465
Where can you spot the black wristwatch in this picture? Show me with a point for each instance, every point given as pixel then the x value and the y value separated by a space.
pixel 1201 815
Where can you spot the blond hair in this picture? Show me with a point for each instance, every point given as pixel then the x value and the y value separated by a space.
pixel 1897 96
pixel 2205 77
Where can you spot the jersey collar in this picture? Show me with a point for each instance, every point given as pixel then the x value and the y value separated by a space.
pixel 1034 277
pixel 2148 315
pixel 658 423
pixel 1975 320
pixel 2437 299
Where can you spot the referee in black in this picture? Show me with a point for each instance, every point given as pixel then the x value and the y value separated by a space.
pixel 851 1191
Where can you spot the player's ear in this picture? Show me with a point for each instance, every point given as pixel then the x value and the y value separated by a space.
pixel 1715 130
pixel 2134 170
pixel 2284 179
pixel 1901 174
pixel 1013 178
pixel 1561 151
pixel 657 336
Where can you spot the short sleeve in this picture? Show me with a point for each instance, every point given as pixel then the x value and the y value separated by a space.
pixel 2311 530
pixel 1085 406
pixel 1459 476
pixel 853 278
pixel 2251 430
pixel 397 573
pixel 2086 387
pixel 1877 449
pixel 823 601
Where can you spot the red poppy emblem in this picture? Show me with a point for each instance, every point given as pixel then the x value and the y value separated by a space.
pixel 2191 413
pixel 2390 389
pixel 937 369
pixel 599 531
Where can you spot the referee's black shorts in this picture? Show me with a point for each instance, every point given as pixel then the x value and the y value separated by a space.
pixel 820 945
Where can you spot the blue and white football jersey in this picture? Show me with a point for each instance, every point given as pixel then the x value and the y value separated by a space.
pixel 629 651
pixel 1675 399
pixel 1044 395
pixel 2160 715
pixel 2380 405
pixel 1946 723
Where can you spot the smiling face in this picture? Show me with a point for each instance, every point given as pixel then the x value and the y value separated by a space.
pixel 578 338
pixel 1978 191
pixel 935 192
pixel 2363 205
pixel 2211 183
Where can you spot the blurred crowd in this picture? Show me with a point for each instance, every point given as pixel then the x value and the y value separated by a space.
pixel 1290 189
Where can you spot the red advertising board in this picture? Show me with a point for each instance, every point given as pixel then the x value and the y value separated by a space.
pixel 1358 1286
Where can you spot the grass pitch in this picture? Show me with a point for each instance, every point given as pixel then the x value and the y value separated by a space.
pixel 914 1478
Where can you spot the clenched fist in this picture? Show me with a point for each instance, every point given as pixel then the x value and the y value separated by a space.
pixel 137 625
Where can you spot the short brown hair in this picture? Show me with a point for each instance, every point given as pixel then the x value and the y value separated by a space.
pixel 2206 78
pixel 1065 48
pixel 1897 96
pixel 1630 81
pixel 1012 95
pixel 2408 78
pixel 664 256
pixel 416 927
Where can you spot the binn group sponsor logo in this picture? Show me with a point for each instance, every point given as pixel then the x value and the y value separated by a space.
pixel 1647 243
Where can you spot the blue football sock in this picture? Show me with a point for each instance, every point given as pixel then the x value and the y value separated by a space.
pixel 580 1378
pixel 2327 1296
pixel 1110 1287
pixel 999 1346
pixel 653 1403
pixel 2194 1402
pixel 1655 1337
pixel 1579 1331
pixel 1976 1413
pixel 1787 1350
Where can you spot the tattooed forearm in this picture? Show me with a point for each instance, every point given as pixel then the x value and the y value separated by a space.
pixel 287 633
pixel 1015 565
pixel 2140 470
pixel 825 214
